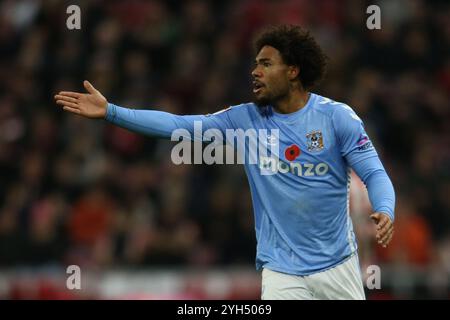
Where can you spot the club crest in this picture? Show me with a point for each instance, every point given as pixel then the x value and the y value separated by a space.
pixel 314 140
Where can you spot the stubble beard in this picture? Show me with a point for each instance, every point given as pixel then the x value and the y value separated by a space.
pixel 269 99
pixel 263 101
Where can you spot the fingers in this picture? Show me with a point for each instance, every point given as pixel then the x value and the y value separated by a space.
pixel 67 104
pixel 383 220
pixel 89 87
pixel 385 228
pixel 389 238
pixel 66 98
pixel 385 237
pixel 70 94
pixel 384 225
pixel 73 110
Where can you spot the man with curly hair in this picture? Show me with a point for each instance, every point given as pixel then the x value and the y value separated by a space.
pixel 306 247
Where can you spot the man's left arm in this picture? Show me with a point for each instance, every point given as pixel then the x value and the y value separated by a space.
pixel 362 157
pixel 381 196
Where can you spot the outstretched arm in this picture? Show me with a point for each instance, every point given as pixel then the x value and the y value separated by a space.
pixel 149 122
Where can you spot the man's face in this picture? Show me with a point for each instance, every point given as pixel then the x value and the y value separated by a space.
pixel 270 77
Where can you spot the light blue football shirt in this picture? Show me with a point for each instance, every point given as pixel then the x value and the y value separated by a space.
pixel 300 194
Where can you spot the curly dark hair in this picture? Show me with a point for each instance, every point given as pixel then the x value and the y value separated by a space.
pixel 297 48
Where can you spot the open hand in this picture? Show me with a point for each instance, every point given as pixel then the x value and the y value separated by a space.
pixel 91 105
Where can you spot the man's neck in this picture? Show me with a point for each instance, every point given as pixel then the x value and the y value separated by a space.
pixel 295 101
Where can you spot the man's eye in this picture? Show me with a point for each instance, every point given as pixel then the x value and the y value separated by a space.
pixel 266 64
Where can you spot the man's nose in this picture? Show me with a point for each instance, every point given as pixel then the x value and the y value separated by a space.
pixel 256 73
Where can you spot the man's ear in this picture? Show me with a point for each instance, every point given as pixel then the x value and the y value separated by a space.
pixel 293 72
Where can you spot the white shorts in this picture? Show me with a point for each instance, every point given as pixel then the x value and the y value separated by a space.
pixel 342 282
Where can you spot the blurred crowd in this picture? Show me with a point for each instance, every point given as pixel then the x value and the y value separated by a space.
pixel 82 191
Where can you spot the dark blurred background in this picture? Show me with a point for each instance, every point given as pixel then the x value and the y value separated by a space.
pixel 78 191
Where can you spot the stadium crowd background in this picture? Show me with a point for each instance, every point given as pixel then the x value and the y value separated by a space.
pixel 77 191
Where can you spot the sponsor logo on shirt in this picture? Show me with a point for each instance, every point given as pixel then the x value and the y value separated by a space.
pixel 362 139
pixel 273 165
pixel 363 142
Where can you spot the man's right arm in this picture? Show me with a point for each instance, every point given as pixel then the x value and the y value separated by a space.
pixel 163 124
pixel 94 105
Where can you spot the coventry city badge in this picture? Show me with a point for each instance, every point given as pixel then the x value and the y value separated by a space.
pixel 314 140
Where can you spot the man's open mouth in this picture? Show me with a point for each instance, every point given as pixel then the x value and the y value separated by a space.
pixel 257 86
